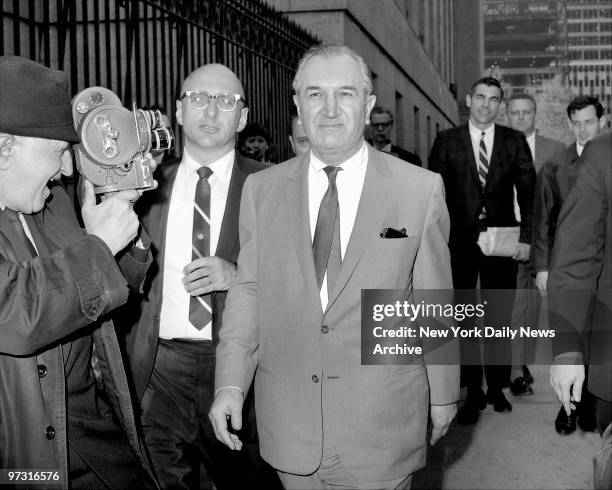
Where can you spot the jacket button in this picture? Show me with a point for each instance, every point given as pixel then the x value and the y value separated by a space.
pixel 324 329
pixel 50 433
pixel 315 378
pixel 42 370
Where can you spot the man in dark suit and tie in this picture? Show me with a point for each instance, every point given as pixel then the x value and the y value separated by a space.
pixel 312 237
pixel 555 181
pixel 579 288
pixel 192 218
pixel 521 115
pixel 481 163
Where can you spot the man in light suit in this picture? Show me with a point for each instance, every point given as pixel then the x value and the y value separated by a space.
pixel 481 163
pixel 292 318
pixel 170 344
pixel 521 115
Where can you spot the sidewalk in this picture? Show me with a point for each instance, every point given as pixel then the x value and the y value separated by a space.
pixel 512 450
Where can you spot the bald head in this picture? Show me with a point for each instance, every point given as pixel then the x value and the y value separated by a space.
pixel 213 75
pixel 210 132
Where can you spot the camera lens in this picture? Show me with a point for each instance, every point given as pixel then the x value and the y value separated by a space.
pixel 162 139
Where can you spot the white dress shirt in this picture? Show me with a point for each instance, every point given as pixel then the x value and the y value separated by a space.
pixel 476 135
pixel 579 148
pixel 349 182
pixel 531 140
pixel 174 316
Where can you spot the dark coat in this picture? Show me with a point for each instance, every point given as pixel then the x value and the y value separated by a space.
pixel 43 300
pixel 580 278
pixel 143 316
pixel 511 165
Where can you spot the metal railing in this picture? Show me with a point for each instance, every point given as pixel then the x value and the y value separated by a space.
pixel 143 49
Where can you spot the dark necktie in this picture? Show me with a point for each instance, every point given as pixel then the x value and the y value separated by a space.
pixel 200 309
pixel 13 217
pixel 483 168
pixel 326 243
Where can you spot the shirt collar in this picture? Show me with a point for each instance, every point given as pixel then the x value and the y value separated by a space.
pixel 531 138
pixel 352 164
pixel 222 168
pixel 477 131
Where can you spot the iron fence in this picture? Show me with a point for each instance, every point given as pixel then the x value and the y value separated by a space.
pixel 143 49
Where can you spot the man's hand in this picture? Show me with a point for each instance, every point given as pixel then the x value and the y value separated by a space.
pixel 563 378
pixel 113 220
pixel 441 417
pixel 540 281
pixel 208 274
pixel 521 252
pixel 227 404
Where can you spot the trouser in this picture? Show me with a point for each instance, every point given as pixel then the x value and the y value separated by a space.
pixel 497 283
pixel 178 434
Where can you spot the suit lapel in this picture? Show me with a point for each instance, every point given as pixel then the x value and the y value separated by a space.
pixel 228 235
pixel 371 205
pixel 296 202
pixel 155 222
pixel 468 149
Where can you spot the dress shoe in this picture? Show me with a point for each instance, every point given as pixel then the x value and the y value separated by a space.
pixel 527 375
pixel 565 424
pixel 520 387
pixel 498 400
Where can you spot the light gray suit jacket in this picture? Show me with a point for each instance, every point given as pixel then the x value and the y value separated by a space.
pixel 307 377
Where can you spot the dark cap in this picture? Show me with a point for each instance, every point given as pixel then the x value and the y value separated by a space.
pixel 34 100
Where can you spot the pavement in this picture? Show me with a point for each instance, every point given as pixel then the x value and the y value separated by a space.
pixel 513 450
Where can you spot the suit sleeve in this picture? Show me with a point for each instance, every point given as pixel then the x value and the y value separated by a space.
pixel 236 358
pixel 437 158
pixel 135 262
pixel 432 271
pixel 524 181
pixel 544 203
pixel 578 254
pixel 44 299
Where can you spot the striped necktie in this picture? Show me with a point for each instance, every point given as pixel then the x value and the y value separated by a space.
pixel 483 162
pixel 200 309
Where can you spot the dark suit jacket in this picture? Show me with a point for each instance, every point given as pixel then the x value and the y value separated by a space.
pixel 511 165
pixel 580 279
pixel 555 180
pixel 405 155
pixel 143 333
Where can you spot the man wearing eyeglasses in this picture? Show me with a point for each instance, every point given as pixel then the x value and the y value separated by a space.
pixel 193 221
pixel 381 124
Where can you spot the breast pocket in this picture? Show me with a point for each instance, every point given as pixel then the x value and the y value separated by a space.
pixel 407 243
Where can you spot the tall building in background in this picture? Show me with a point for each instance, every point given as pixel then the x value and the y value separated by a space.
pixel 589 45
pixel 524 40
pixel 409 47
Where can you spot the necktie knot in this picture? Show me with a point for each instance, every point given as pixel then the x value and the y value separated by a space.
pixel 204 172
pixel 332 171
pixel 482 135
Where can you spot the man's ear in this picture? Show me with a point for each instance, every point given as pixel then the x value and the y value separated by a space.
pixel 179 112
pixel 468 100
pixel 7 150
pixel 244 112
pixel 602 122
pixel 297 106
pixel 369 105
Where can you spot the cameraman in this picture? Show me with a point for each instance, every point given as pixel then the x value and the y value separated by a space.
pixel 64 405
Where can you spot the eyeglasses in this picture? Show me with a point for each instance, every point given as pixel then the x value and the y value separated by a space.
pixel 381 125
pixel 200 99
